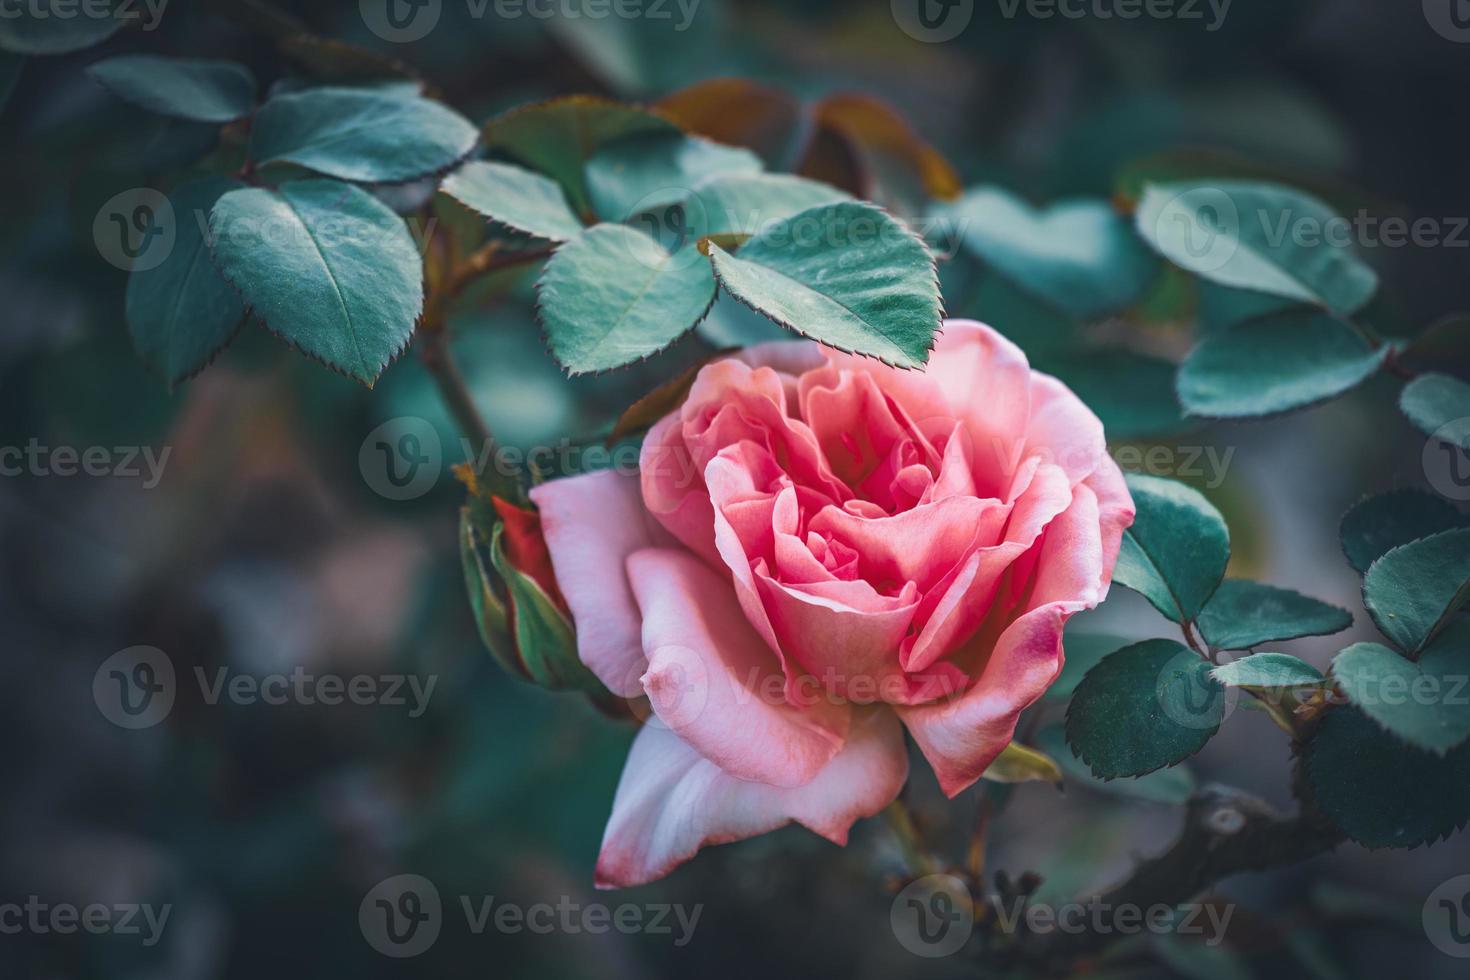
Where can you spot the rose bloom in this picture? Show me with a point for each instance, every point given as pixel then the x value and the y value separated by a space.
pixel 819 552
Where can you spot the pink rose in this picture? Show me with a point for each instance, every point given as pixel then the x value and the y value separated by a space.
pixel 819 549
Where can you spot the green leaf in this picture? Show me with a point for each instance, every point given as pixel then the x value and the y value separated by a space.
pixel 1082 652
pixel 1412 590
pixel 1381 791
pixel 1268 671
pixel 1018 764
pixel 1257 236
pixel 1171 786
pixel 559 136
pixel 652 170
pixel 1275 364
pixel 200 90
pixel 1424 702
pixel 1133 394
pixel 360 134
pixel 1243 614
pixel 1147 706
pixel 326 267
pixel 1079 256
pixel 1439 405
pixel 1176 551
pixel 1221 307
pixel 182 312
pixel 614 295
pixel 1377 525
pixel 744 205
pixel 491 617
pixel 847 275
pixel 56 26
pixel 516 198
pixel 543 635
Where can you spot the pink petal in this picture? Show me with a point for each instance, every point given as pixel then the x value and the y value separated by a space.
pixel 671 800
pixel 592 523
pixel 987 382
pixel 713 681
pixel 1064 429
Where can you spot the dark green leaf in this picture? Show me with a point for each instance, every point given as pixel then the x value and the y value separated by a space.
pixel 1243 614
pixel 491 617
pixel 1379 524
pixel 1275 364
pixel 1221 307
pixel 516 198
pixel 1172 786
pixel 1439 405
pixel 182 312
pixel 56 26
pixel 360 134
pixel 1147 706
pixel 1080 256
pixel 1413 589
pixel 543 635
pixel 1268 671
pixel 1133 394
pixel 847 275
pixel 185 88
pixel 1381 791
pixel 327 267
pixel 1424 702
pixel 640 173
pixel 744 205
pixel 1260 237
pixel 614 295
pixel 1176 551
pixel 559 136
pixel 1083 651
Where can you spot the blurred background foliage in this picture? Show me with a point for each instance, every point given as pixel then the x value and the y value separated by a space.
pixel 263 547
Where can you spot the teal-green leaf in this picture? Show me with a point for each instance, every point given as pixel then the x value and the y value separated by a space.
pixel 1133 394
pixel 1412 590
pixel 326 267
pixel 1243 614
pixel 1275 364
pixel 1381 791
pixel 1377 525
pixel 492 619
pixel 1439 405
pixel 56 26
pixel 652 170
pixel 1221 307
pixel 1080 256
pixel 847 275
pixel 200 90
pixel 1171 786
pixel 360 134
pixel 1176 551
pixel 182 312
pixel 1082 651
pixel 1147 706
pixel 613 295
pixel 1255 236
pixel 516 198
pixel 1268 671
pixel 544 639
pixel 745 204
pixel 1424 702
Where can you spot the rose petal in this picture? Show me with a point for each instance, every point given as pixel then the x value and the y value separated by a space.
pixel 671 801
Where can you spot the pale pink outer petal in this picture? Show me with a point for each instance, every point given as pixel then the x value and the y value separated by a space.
pixel 713 681
pixel 987 382
pixel 671 800
pixel 592 523
pixel 961 737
